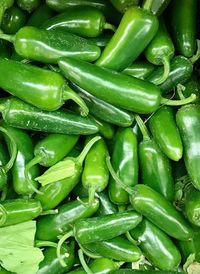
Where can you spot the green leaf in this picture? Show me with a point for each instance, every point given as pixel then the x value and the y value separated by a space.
pixel 17 251
pixel 57 172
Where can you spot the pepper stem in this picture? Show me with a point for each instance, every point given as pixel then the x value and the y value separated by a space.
pixel 3 215
pixel 83 262
pixel 195 57
pixel 88 253
pixel 180 88
pixel 91 192
pixel 147 5
pixel 60 243
pixel 86 149
pixel 142 128
pixel 116 178
pixel 30 164
pixel 181 102
pixel 69 94
pixel 130 238
pixel 46 244
pixel 109 26
pixel 8 37
pixel 166 64
pixel 49 212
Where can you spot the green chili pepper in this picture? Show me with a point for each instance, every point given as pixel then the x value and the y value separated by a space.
pixel 125 163
pixel 42 88
pixel 48 46
pixel 160 51
pixel 106 206
pixel 50 227
pixel 40 15
pixel 131 271
pixel 14 18
pixel 158 6
pixel 28 5
pixel 123 5
pixel 102 40
pixel 95 174
pixel 187 119
pixel 183 23
pixel 154 165
pixel 105 129
pixel 160 212
pixel 114 87
pixel 4 271
pixel 51 264
pixel 157 247
pixel 139 69
pixel 89 22
pixel 19 114
pixel 5 4
pixel 164 130
pixel 192 86
pixel 19 211
pixel 59 180
pixel 136 30
pixel 119 249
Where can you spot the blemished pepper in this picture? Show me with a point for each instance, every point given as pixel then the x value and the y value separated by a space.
pixel 116 88
pixel 95 174
pixel 19 114
pixel 87 22
pixel 139 69
pixel 157 247
pixel 28 5
pixel 5 4
pixel 158 6
pixel 19 211
pixel 160 212
pixel 50 227
pixel 136 30
pixel 123 5
pixel 192 205
pixel 119 249
pixel 57 183
pixel 183 14
pixel 42 88
pixel 155 167
pixel 165 131
pixel 51 264
pixel 14 18
pixel 161 50
pixel 187 119
pixel 24 155
pixel 125 163
pixel 47 46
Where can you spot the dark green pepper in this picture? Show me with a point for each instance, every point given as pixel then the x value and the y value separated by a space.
pixel 131 271
pixel 105 129
pixel 5 4
pixel 192 86
pixel 125 164
pixel 87 22
pixel 4 49
pixel 48 46
pixel 19 114
pixel 28 5
pixel 192 205
pixel 106 206
pixel 4 159
pixel 158 6
pixel 101 40
pixel 139 69
pixel 123 5
pixel 19 211
pixel 157 247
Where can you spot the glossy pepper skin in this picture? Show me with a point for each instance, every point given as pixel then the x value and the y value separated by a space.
pixel 115 88
pixel 51 226
pixel 165 131
pixel 160 212
pixel 102 40
pixel 5 4
pixel 123 5
pixel 19 114
pixel 106 206
pixel 183 23
pixel 125 163
pixel 28 5
pixel 105 227
pixel 159 6
pixel 14 18
pixel 157 247
pixel 24 155
pixel 106 130
pixel 20 210
pixel 136 30
pixel 48 46
pixel 4 158
pixel 192 86
pixel 87 22
pixel 192 205
pixel 187 119
pixel 139 69
pixel 119 249
pixel 51 264
pixel 42 88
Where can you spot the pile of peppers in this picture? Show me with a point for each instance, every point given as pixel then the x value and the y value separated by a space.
pixel 100 133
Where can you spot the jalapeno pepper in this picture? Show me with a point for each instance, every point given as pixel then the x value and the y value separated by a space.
pixel 160 51
pixel 139 69
pixel 187 119
pixel 19 211
pixel 167 137
pixel 101 40
pixel 50 227
pixel 125 163
pixel 157 247
pixel 123 5
pixel 28 5
pixel 136 30
pixel 183 23
pixel 5 4
pixel 154 165
pixel 106 206
pixel 89 22
pixel 19 114
pixel 192 86
pixel 158 6
pixel 114 87
pixel 105 129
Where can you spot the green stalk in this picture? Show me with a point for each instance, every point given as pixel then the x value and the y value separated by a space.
pixel 83 262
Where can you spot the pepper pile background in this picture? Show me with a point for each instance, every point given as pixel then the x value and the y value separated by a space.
pixel 100 135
